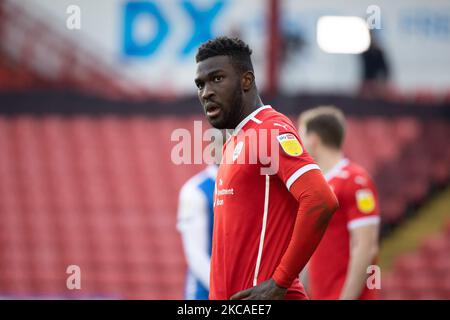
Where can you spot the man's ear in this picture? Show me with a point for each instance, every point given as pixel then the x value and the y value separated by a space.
pixel 314 139
pixel 248 79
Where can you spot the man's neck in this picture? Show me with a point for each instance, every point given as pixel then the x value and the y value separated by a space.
pixel 328 159
pixel 250 106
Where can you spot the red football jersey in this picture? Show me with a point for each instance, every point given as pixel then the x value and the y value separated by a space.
pixel 358 206
pixel 254 211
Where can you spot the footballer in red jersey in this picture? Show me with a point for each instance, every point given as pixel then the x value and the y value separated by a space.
pixel 338 267
pixel 272 204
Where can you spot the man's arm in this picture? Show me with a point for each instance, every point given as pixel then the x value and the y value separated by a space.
pixel 317 203
pixel 363 250
pixel 192 224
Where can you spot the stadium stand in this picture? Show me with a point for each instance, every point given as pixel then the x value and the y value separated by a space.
pixel 402 160
pixel 422 274
pixel 47 54
pixel 94 192
pixel 17 78
pixel 101 192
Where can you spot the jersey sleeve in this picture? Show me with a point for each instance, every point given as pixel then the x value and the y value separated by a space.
pixel 288 152
pixel 361 202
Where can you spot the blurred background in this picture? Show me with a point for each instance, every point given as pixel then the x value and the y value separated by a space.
pixel 91 91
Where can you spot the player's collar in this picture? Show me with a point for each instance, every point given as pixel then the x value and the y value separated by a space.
pixel 251 116
pixel 336 169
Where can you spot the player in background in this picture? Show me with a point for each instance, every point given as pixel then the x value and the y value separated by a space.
pixel 195 223
pixel 338 267
pixel 266 224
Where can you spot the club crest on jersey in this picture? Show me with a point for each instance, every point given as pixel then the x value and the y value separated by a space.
pixel 237 150
pixel 365 200
pixel 290 144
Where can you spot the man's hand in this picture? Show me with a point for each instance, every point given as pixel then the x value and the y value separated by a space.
pixel 267 290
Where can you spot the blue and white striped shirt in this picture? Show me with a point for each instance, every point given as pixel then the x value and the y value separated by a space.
pixel 195 223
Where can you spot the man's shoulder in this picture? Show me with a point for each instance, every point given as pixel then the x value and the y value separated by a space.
pixel 356 174
pixel 273 119
pixel 356 169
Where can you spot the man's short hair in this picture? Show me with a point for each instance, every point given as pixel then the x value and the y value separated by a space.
pixel 238 51
pixel 328 122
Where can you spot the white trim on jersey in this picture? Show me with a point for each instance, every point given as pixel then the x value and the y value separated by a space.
pixel 297 174
pixel 336 169
pixel 364 221
pixel 248 118
pixel 263 230
pixel 256 120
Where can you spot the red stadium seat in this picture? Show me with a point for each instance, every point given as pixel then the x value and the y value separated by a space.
pixel 435 245
pixel 443 286
pixel 424 274
pixel 411 263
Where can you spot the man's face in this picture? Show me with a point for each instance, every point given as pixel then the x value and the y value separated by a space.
pixel 219 91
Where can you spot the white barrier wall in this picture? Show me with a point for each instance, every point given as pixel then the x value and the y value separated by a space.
pixel 155 41
pixel 415 35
